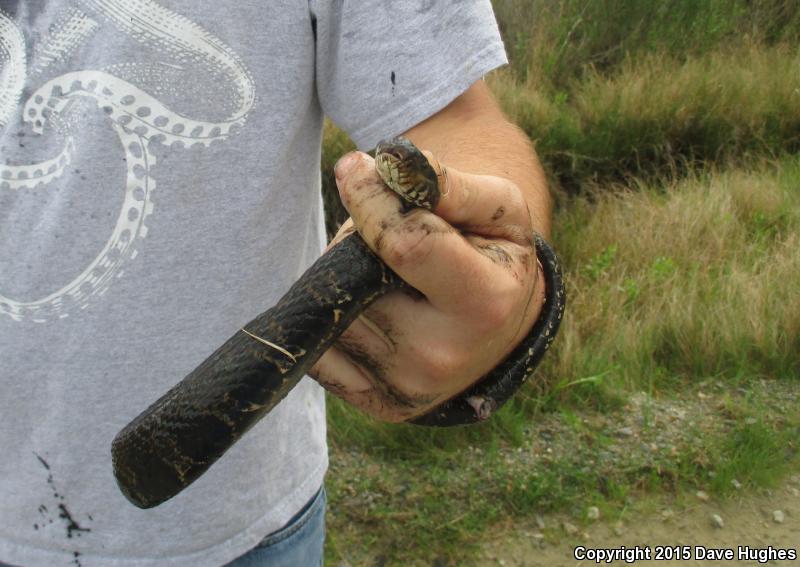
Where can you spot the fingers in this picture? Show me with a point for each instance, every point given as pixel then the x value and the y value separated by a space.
pixel 454 271
pixel 410 243
pixel 486 204
pixel 379 364
pixel 474 263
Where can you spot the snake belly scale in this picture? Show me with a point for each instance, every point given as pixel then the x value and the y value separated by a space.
pixel 176 439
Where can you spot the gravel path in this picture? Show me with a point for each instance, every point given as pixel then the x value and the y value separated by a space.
pixel 770 518
pixel 645 436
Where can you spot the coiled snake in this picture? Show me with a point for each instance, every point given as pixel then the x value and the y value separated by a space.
pixel 183 433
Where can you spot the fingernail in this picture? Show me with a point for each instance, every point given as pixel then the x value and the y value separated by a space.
pixel 345 164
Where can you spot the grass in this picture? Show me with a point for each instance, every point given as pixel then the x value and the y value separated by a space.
pixel 335 144
pixel 556 41
pixel 669 131
pixel 402 509
pixel 675 291
pixel 651 117
pixel 688 280
pixel 656 115
pixel 615 89
pixel 664 286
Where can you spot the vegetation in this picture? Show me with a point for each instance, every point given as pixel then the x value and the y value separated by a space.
pixel 670 132
pixel 656 115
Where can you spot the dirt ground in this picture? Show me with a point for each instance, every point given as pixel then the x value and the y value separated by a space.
pixel 757 520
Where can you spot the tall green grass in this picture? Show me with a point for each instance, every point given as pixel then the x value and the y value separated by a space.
pixel 657 115
pixel 554 42
pixel 676 268
pixel 335 143
pixel 614 88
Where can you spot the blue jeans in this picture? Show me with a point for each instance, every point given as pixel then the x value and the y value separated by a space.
pixel 298 543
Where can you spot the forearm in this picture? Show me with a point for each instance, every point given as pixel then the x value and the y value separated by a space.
pixel 473 135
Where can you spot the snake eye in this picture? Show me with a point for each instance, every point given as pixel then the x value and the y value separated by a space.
pixel 398 147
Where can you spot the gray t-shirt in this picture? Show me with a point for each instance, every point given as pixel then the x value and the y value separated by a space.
pixel 159 187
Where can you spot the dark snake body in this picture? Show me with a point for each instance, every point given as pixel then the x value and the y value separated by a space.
pixel 183 433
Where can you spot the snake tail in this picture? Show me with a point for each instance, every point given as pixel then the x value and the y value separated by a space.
pixel 183 433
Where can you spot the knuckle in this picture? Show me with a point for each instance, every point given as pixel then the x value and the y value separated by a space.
pixel 497 313
pixel 442 366
pixel 516 199
pixel 514 204
pixel 442 362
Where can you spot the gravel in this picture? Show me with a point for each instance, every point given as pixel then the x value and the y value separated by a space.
pixel 717 521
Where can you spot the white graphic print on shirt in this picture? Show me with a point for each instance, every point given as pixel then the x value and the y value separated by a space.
pixel 125 94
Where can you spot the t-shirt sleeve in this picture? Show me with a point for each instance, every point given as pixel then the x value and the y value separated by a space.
pixel 383 66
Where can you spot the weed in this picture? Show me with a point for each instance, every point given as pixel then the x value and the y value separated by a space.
pixel 671 126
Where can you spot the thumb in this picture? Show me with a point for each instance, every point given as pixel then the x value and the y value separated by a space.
pixel 483 202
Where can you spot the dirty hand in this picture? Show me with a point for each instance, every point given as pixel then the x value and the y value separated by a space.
pixel 478 290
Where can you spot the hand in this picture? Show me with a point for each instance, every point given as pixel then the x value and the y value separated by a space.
pixel 478 290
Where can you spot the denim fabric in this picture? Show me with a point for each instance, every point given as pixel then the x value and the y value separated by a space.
pixel 298 543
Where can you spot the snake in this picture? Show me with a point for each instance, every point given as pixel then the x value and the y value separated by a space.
pixel 175 440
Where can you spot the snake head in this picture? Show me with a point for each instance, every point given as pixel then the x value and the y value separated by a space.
pixel 407 172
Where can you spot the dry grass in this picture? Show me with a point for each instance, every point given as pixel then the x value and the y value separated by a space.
pixel 683 283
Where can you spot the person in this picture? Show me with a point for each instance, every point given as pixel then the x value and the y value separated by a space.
pixel 159 187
